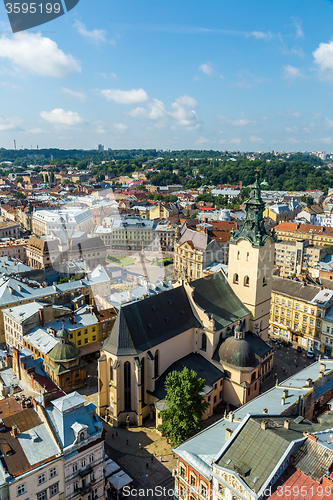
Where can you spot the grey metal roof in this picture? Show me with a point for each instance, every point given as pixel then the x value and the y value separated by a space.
pixel 147 323
pixel 254 453
pixel 38 444
pixel 199 240
pixel 294 289
pixel 193 361
pixel 314 459
pixel 215 296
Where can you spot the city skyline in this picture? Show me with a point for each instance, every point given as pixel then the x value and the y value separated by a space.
pixel 223 75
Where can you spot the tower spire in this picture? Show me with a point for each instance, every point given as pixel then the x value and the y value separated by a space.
pixel 254 227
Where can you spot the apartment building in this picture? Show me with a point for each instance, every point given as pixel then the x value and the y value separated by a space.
pixel 166 235
pixel 315 235
pixel 127 233
pixel 297 311
pixel 194 252
pixel 31 463
pixel 295 257
pixel 63 221
pixel 80 436
pixel 9 230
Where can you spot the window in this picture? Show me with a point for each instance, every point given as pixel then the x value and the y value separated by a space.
pixel 79 333
pixel 277 300
pixel 238 255
pixel 264 281
pixel 86 340
pixel 156 364
pixel 94 338
pixel 54 489
pixel 246 281
pixel 227 374
pixel 193 480
pixel 296 316
pixel 42 495
pixel 297 307
pixel 53 472
pixel 203 490
pixel 41 479
pixel 75 467
pixel 82 436
pixel 79 342
pixel 91 458
pixel 203 341
pixel 235 279
pixel 182 471
pixel 20 489
pixel 76 485
pixel 83 463
pixel 127 385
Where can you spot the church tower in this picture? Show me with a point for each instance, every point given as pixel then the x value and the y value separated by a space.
pixel 251 262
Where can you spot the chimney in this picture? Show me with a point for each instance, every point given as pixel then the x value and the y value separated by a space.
pixel 283 400
pixel 285 393
pixel 286 424
pixel 322 368
pixel 228 433
pixel 14 432
pixel 231 416
pixel 308 382
pixel 41 317
pixel 264 424
pixel 265 410
pixel 313 438
pixel 54 286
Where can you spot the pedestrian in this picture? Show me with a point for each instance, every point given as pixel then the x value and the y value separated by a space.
pixel 112 436
pixel 127 442
pixel 152 458
pixel 147 465
pixel 140 446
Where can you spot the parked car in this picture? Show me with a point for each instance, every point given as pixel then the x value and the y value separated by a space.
pixel 299 349
pixel 279 341
pixel 310 354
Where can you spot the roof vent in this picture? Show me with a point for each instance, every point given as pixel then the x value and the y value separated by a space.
pixel 265 410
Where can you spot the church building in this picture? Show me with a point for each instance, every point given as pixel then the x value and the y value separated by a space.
pixel 214 325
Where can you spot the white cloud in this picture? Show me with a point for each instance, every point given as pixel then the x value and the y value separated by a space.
pixel 202 140
pixel 262 35
pixel 235 140
pixel 238 122
pixel 61 117
pixel 80 96
pixel 10 124
pixel 292 73
pixel 181 114
pixel 37 130
pixel 254 138
pixel 329 122
pixel 125 96
pixel 207 69
pixel 121 127
pixel 95 36
pixel 298 27
pixel 38 54
pixel 291 129
pixel 326 140
pixel 323 57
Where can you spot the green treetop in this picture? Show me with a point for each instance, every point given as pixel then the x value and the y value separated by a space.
pixel 181 418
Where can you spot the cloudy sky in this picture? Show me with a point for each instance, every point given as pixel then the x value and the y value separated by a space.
pixel 167 74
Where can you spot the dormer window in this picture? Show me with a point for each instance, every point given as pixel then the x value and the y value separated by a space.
pixel 82 436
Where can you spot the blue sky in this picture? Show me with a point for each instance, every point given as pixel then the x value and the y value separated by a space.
pixel 240 74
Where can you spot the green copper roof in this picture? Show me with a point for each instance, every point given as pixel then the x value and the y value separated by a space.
pixel 253 229
pixel 64 352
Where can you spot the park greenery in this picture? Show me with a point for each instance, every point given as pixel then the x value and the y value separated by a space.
pixel 188 168
pixel 185 405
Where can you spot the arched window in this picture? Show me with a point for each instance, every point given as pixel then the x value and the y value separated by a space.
pixel 264 281
pixel 235 280
pixel 238 255
pixel 203 341
pixel 156 363
pixel 82 436
pixel 111 369
pixel 127 385
pixel 143 382
pixel 248 256
pixel 246 281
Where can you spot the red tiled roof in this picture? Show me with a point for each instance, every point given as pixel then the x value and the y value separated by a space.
pixel 304 228
pixel 295 485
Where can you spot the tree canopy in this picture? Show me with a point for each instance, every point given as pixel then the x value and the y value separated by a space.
pixel 181 418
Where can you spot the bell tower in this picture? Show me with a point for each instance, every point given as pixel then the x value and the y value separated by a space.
pixel 251 262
